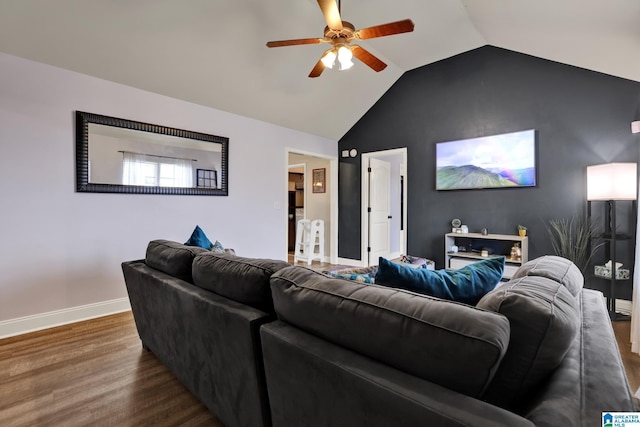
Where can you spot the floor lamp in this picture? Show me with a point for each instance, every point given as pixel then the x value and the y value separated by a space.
pixel 610 183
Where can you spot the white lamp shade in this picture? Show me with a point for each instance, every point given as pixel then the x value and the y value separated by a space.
pixel 612 181
pixel 329 59
pixel 344 58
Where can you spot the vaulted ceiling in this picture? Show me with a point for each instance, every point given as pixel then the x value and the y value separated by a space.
pixel 212 52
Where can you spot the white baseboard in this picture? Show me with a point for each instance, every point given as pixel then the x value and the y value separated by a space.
pixel 351 262
pixel 36 322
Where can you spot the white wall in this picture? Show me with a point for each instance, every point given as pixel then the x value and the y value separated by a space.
pixel 61 249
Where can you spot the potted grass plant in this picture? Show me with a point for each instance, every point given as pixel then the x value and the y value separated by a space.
pixel 575 239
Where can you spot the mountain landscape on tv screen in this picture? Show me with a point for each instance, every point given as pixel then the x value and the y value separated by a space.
pixel 470 176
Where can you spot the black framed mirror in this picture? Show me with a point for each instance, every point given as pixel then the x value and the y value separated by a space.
pixel 124 156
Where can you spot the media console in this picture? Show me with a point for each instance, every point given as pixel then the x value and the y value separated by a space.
pixel 461 249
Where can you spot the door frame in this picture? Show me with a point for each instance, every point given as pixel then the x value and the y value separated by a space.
pixel 364 191
pixel 333 199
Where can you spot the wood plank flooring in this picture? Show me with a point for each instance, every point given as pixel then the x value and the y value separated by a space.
pixel 315 265
pixel 91 373
pixel 630 360
pixel 96 373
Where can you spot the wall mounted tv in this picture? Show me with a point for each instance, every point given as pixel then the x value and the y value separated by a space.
pixel 498 161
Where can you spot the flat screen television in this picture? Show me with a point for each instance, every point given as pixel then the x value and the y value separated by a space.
pixel 498 161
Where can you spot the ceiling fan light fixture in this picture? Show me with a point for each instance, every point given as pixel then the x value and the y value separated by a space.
pixel 329 59
pixel 340 34
pixel 344 58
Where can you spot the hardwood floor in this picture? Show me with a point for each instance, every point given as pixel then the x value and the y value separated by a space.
pixel 315 265
pixel 630 360
pixel 96 373
pixel 91 373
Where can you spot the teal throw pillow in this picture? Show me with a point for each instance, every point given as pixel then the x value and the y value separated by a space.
pixel 467 284
pixel 198 238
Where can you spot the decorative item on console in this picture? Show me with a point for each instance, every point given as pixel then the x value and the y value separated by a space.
pixel 522 230
pixel 458 227
pixel 516 252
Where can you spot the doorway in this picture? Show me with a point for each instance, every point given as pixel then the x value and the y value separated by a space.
pixel 318 203
pixel 384 205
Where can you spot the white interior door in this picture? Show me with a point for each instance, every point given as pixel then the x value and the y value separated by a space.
pixel 379 209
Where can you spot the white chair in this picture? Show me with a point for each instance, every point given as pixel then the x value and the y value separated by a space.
pixel 309 236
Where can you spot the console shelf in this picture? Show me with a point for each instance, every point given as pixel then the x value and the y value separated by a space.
pixel 470 246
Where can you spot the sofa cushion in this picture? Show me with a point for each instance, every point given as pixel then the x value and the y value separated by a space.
pixel 451 344
pixel 245 280
pixel 544 319
pixel 172 258
pixel 467 284
pixel 555 268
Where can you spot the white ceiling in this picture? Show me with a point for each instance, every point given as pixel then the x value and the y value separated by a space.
pixel 212 52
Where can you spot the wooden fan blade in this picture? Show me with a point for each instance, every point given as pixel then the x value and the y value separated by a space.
pixel 404 26
pixel 368 58
pixel 294 42
pixel 331 14
pixel 317 70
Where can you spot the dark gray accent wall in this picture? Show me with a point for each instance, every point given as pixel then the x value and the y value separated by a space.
pixel 581 118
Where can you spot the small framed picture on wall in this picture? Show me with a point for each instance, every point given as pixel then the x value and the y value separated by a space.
pixel 318 180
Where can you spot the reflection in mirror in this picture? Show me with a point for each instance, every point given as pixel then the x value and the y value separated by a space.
pixel 123 156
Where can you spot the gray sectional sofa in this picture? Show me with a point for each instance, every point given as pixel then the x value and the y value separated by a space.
pixel 200 313
pixel 264 343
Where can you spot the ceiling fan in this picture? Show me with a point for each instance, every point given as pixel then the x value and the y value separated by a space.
pixel 340 34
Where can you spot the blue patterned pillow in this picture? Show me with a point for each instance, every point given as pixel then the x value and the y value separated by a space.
pixel 198 238
pixel 362 278
pixel 467 284
pixel 218 248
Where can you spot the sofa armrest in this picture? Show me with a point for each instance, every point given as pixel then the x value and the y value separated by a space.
pixel 209 342
pixel 604 379
pixel 590 380
pixel 313 382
